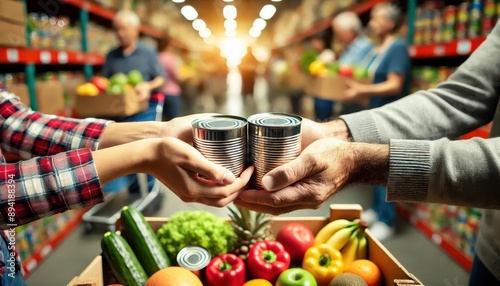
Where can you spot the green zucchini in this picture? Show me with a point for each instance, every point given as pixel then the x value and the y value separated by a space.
pixel 143 241
pixel 122 260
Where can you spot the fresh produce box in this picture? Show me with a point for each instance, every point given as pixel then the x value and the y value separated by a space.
pixel 115 96
pixel 330 87
pixel 12 11
pixel 265 248
pixel 13 35
pixel 21 91
pixel 50 97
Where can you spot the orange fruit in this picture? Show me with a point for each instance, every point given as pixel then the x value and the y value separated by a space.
pixel 366 270
pixel 174 276
pixel 258 282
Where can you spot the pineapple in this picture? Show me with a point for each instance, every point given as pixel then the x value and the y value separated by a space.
pixel 249 228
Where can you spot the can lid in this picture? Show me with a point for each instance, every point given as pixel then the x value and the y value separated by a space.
pixel 274 125
pixel 193 257
pixel 219 127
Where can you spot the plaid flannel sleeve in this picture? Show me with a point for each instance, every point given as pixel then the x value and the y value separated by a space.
pixel 29 134
pixel 44 186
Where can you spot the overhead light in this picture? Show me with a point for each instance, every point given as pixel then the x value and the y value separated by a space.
pixel 228 0
pixel 178 1
pixel 254 32
pixel 259 23
pixel 199 24
pixel 267 12
pixel 275 0
pixel 189 12
pixel 230 33
pixel 205 33
pixel 230 12
pixel 230 25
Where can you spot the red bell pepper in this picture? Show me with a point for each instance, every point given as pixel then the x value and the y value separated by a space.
pixel 226 270
pixel 267 259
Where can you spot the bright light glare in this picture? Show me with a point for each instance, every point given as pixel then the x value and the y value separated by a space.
pixel 233 49
pixel 230 33
pixel 199 24
pixel 228 0
pixel 232 63
pixel 230 12
pixel 275 0
pixel 259 24
pixel 254 32
pixel 178 1
pixel 267 12
pixel 230 25
pixel 189 12
pixel 205 33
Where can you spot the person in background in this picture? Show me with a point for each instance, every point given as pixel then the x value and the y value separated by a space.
pixel 406 145
pixel 390 64
pixel 322 108
pixel 248 71
pixel 348 30
pixel 132 54
pixel 65 162
pixel 171 64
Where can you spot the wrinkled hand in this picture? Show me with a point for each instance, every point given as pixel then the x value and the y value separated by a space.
pixel 307 182
pixel 143 91
pixel 178 165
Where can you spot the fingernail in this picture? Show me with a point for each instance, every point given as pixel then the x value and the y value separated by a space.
pixel 228 178
pixel 268 182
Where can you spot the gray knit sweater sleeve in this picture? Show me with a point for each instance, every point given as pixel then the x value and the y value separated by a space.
pixel 430 167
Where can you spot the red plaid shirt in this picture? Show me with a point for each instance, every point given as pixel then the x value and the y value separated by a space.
pixel 60 174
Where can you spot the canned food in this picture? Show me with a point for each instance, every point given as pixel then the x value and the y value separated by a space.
pixel 437 19
pixel 489 8
pixel 418 37
pixel 487 24
pixel 461 31
pixel 427 18
pixel 428 35
pixel 474 29
pixel 437 35
pixel 498 9
pixel 463 12
pixel 193 258
pixel 476 9
pixel 449 33
pixel 450 15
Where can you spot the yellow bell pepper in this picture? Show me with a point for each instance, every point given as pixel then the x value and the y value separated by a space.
pixel 324 262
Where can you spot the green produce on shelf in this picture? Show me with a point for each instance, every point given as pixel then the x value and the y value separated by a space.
pixel 143 241
pixel 198 228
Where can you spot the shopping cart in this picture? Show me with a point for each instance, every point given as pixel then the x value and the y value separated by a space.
pixel 138 190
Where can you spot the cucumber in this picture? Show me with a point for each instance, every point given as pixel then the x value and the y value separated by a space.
pixel 122 260
pixel 143 241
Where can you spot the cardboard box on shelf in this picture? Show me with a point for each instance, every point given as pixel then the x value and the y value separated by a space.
pixel 21 91
pixel 12 11
pixel 70 90
pixel 296 79
pixel 105 105
pixel 50 97
pixel 394 274
pixel 13 35
pixel 331 87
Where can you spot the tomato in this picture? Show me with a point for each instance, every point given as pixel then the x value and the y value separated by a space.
pixel 296 239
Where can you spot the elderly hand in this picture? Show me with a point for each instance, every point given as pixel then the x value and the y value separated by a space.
pixel 143 91
pixel 324 167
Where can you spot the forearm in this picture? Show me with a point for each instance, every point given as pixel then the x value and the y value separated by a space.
pixel 386 88
pixel 446 172
pixel 156 83
pixel 121 133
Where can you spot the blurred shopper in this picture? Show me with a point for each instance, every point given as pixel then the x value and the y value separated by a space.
pixel 133 55
pixel 171 64
pixel 65 162
pixel 389 63
pixel 348 30
pixel 322 108
pixel 406 145
pixel 248 71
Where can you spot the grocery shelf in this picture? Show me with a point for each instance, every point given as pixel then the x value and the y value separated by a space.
pixel 482 132
pixel 31 263
pixel 443 240
pixel 47 57
pixel 451 49
pixel 324 24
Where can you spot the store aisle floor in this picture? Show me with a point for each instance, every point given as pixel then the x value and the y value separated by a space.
pixel 419 256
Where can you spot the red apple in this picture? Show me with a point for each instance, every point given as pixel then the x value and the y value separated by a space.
pixel 296 239
pixel 100 82
pixel 346 71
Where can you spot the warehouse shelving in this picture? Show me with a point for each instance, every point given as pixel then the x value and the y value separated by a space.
pixel 48 57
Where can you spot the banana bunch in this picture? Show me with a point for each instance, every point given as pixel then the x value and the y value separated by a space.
pixel 346 236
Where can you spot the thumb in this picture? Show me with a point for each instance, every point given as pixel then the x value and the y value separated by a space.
pixel 286 174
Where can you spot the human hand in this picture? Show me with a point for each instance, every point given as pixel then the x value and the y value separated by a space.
pixel 143 91
pixel 180 127
pixel 312 131
pixel 178 166
pixel 354 90
pixel 323 168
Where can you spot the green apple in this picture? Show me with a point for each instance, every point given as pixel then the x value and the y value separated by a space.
pixel 360 72
pixel 296 277
pixel 333 68
pixel 135 77
pixel 119 79
pixel 114 89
